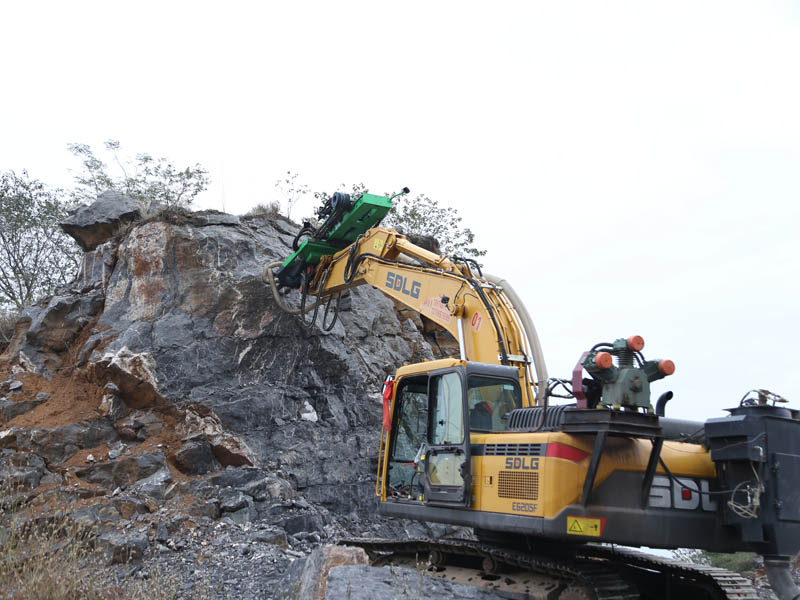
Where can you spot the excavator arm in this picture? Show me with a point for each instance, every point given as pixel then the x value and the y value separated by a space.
pixel 450 292
pixel 476 313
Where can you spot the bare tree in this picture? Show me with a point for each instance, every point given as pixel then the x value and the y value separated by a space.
pixel 292 190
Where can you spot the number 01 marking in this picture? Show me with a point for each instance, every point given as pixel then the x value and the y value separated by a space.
pixel 477 319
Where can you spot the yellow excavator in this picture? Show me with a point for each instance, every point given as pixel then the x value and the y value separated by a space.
pixel 551 474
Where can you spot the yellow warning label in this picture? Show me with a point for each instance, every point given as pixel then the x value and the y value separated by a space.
pixel 585 526
pixel 377 244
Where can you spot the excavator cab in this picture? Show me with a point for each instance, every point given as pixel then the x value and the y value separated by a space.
pixel 437 405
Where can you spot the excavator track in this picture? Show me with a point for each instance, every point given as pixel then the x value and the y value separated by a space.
pixel 719 583
pixel 584 573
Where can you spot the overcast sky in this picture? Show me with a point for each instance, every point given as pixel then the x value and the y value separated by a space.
pixel 632 167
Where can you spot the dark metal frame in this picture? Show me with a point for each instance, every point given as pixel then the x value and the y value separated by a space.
pixel 604 423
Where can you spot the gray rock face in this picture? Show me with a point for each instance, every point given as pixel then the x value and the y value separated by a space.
pixel 53 327
pixel 94 224
pixel 176 316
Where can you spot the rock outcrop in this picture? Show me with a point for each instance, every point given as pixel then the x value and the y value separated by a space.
pixel 94 224
pixel 179 321
pixel 166 385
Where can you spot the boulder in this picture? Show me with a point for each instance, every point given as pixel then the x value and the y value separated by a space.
pixel 129 506
pixel 140 425
pixel 196 458
pixel 362 582
pixel 245 515
pixel 132 373
pixel 23 470
pixel 304 522
pixel 10 409
pixel 96 518
pixel 307 577
pixel 211 217
pixel 111 405
pixel 155 486
pixel 231 500
pixel 123 471
pixel 269 487
pixel 270 535
pixel 236 477
pixel 201 424
pixel 59 443
pixel 46 332
pixel 199 508
pixel 96 223
pixel 122 547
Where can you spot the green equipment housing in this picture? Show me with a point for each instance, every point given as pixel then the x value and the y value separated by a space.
pixel 343 220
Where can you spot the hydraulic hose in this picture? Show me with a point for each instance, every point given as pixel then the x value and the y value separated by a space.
pixel 661 405
pixel 530 332
pixel 268 277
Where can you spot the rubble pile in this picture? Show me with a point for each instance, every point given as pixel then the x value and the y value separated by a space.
pixel 166 402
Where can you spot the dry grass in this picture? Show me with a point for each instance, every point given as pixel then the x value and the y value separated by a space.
pixel 47 560
pixel 55 558
pixel 271 210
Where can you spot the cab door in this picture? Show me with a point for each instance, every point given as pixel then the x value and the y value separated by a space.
pixel 447 459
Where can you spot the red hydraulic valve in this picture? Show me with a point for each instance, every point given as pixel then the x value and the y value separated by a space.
pixel 635 343
pixel 666 367
pixel 603 360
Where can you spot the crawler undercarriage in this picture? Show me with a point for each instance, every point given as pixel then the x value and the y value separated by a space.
pixel 559 572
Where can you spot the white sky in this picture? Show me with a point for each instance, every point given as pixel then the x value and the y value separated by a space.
pixel 632 167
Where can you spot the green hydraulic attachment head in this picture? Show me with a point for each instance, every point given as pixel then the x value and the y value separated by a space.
pixel 343 220
pixel 626 384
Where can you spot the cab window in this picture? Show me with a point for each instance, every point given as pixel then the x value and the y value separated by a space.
pixel 412 418
pixel 447 420
pixel 408 437
pixel 489 400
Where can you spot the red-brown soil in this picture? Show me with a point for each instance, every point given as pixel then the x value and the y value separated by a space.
pixel 72 399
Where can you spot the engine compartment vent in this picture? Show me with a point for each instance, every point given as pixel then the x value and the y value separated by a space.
pixel 513 449
pixel 518 484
